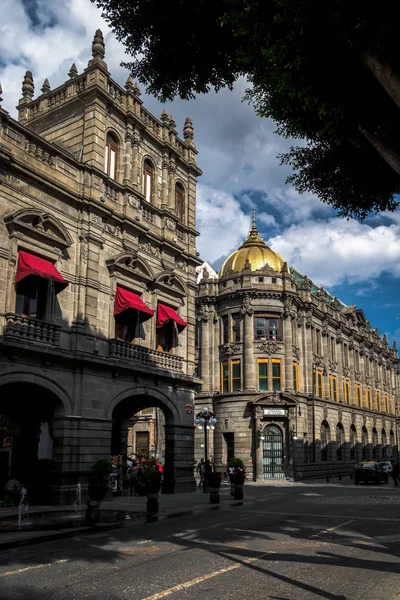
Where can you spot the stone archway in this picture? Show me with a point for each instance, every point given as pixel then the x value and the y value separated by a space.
pixel 32 433
pixel 179 434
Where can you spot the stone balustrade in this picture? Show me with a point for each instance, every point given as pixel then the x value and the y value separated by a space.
pixel 25 328
pixel 146 356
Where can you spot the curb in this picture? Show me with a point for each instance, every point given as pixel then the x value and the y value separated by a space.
pixel 101 528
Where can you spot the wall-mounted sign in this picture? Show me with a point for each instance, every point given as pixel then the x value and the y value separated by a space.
pixel 189 409
pixel 274 411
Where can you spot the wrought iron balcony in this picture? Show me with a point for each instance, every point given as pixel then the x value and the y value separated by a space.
pixel 146 356
pixel 20 327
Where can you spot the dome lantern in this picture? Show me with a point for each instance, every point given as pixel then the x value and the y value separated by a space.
pixel 253 255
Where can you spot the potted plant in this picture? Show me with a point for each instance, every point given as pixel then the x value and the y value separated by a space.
pixel 148 483
pixel 237 477
pixel 97 489
pixel 214 482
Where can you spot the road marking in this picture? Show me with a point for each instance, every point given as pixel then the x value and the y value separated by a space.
pixel 188 584
pixel 330 529
pixel 34 567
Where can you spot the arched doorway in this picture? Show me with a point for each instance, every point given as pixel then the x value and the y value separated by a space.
pixel 325 440
pixel 31 438
pixel 384 444
pixel 364 442
pixel 339 441
pixel 169 437
pixel 353 442
pixel 273 459
pixel 393 448
pixel 375 450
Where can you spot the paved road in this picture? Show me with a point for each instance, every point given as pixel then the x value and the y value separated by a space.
pixel 295 542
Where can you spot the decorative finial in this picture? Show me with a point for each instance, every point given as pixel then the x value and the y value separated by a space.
pixel 188 129
pixel 98 46
pixel 28 86
pixel 129 84
pixel 253 220
pixel 73 72
pixel 1 91
pixel 254 236
pixel 285 268
pixel 172 122
pixel 394 343
pixel 45 87
pixel 136 90
pixel 164 116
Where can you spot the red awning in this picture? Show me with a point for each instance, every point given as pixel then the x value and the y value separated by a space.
pixel 165 314
pixel 126 300
pixel 29 264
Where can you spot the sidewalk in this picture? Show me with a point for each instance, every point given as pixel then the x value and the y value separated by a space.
pixel 171 505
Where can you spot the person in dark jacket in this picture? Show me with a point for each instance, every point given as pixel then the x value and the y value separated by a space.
pixel 395 472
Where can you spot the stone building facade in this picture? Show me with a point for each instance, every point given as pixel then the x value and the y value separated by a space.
pixel 97 279
pixel 300 383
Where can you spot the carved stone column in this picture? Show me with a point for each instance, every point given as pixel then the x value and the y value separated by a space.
pixel 171 185
pixel 288 342
pixel 128 159
pixel 136 178
pixel 203 320
pixel 164 191
pixel 248 367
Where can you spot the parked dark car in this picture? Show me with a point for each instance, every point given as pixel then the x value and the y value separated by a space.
pixel 369 472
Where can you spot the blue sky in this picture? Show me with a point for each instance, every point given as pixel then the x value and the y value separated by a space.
pixel 358 262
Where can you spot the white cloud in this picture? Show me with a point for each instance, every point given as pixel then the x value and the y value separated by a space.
pixel 335 251
pixel 221 221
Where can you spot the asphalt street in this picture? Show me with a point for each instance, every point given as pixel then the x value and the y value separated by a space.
pixel 294 542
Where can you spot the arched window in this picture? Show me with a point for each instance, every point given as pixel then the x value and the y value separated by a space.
pixel 339 441
pixel 148 181
pixel 393 448
pixel 353 441
pixel 384 444
pixel 179 201
pixel 364 442
pixel 325 439
pixel 374 443
pixel 111 156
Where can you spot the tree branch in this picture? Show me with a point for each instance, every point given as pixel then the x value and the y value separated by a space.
pixel 386 76
pixel 388 154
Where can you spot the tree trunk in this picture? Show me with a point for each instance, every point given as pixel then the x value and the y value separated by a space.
pixel 388 154
pixel 386 76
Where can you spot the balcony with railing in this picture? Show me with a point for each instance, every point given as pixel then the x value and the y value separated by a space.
pixel 22 328
pixel 145 356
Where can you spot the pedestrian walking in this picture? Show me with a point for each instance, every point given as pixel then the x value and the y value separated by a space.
pixel 200 471
pixel 395 471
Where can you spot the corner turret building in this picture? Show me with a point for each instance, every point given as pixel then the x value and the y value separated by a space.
pixel 301 384
pixel 97 280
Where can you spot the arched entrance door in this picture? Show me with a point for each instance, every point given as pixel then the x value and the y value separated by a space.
pixel 31 438
pixel 273 459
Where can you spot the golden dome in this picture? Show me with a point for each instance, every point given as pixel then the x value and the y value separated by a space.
pixel 253 254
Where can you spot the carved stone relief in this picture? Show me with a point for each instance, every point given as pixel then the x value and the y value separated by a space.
pixel 270 347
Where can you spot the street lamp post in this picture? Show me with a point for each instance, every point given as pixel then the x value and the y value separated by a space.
pixel 206 419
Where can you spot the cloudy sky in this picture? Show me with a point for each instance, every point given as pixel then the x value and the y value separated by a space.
pixel 358 262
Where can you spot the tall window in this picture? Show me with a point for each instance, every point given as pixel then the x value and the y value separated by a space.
pixel 236 328
pixel 179 201
pixel 31 297
pixel 225 377
pixel 148 179
pixel 368 398
pixel 296 377
pixel 358 395
pixel 386 403
pixel 333 391
pixel 319 384
pixel 378 401
pixel 356 360
pixel 267 327
pixel 110 158
pixel 263 374
pixel 345 355
pixel 276 375
pixel 231 378
pixel 225 331
pixel 333 348
pixel 346 391
pixel 235 375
